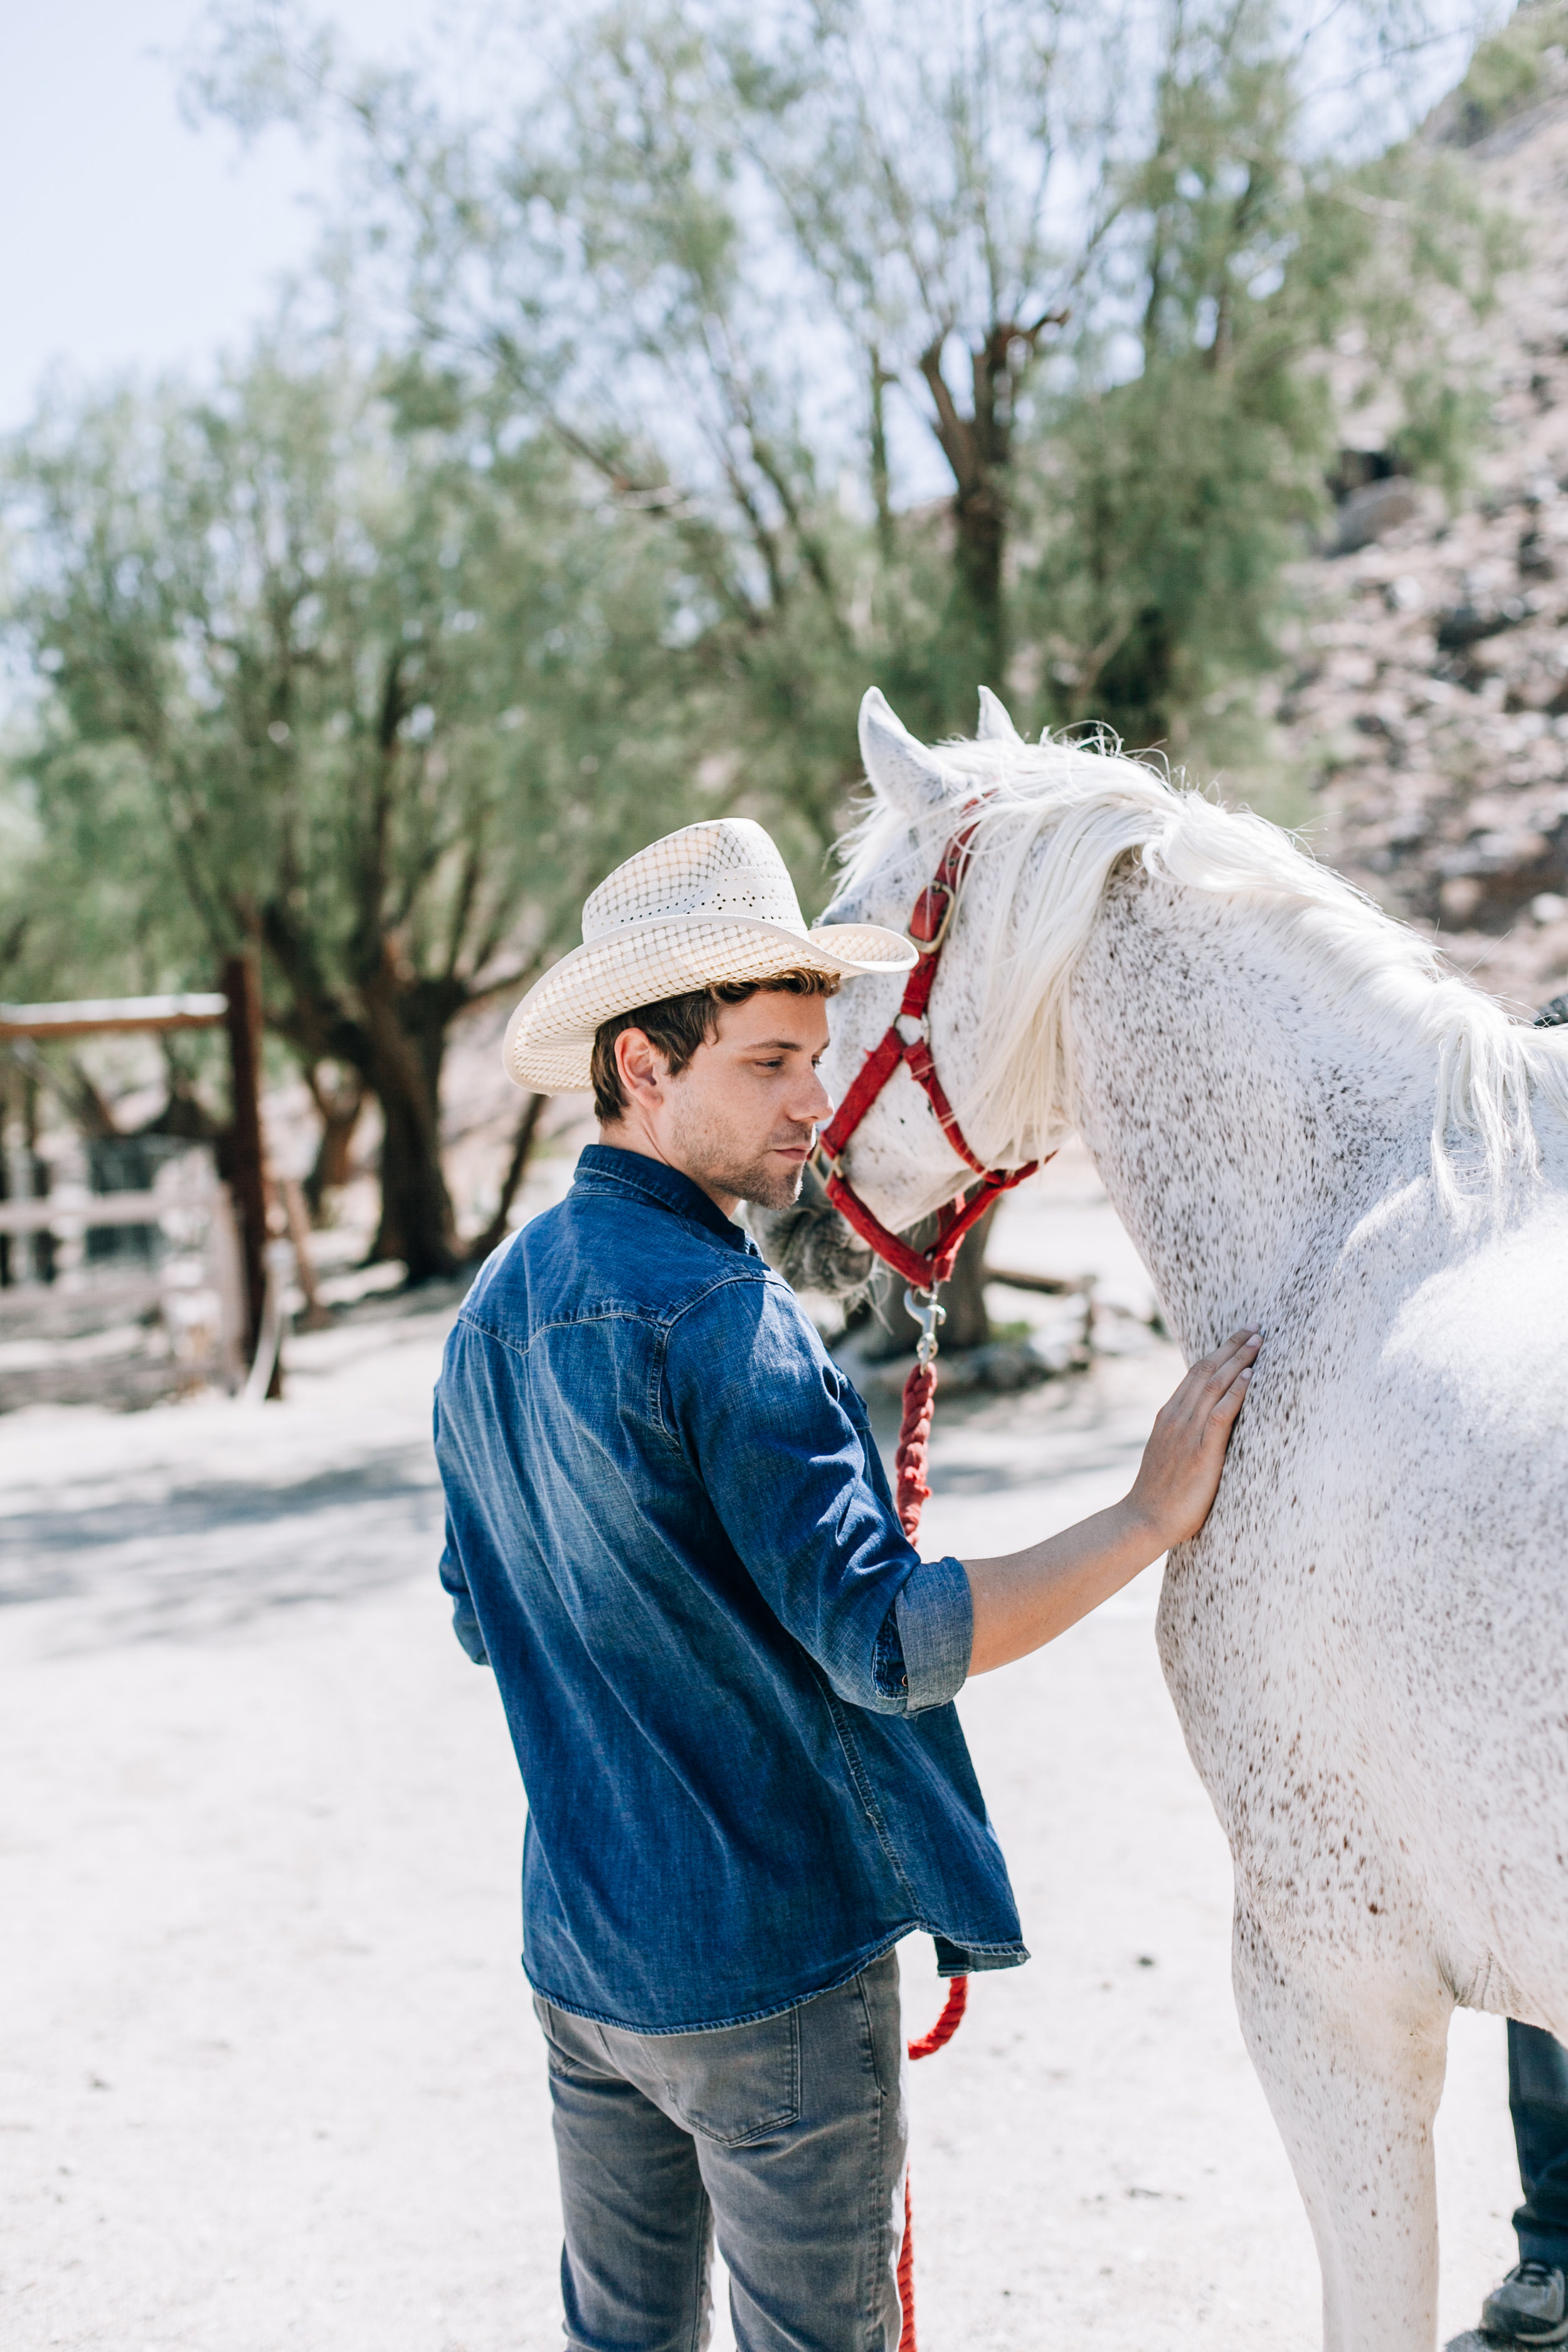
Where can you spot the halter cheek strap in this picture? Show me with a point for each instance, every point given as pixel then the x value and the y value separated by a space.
pixel 907 1040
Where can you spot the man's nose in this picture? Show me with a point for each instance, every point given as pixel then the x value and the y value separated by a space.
pixel 815 1106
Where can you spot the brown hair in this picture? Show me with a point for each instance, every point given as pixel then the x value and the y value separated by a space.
pixel 681 1023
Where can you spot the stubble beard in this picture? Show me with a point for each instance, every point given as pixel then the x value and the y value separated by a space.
pixel 769 1189
pixel 709 1149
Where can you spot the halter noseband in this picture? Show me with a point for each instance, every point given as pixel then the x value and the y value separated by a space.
pixel 922 1270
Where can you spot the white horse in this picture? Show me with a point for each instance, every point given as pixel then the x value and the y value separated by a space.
pixel 1302 1121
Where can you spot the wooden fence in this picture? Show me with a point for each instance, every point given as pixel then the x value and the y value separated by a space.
pixel 237 1204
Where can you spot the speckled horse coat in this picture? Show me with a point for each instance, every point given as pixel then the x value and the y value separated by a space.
pixel 1302 1122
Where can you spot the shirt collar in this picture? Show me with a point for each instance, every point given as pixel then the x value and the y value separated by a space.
pixel 635 1172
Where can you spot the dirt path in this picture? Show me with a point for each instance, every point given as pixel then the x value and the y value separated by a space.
pixel 267 2073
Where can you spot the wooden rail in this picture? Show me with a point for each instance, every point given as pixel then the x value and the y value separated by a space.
pixel 237 1009
pixel 72 1210
pixel 1050 1286
pixel 97 1016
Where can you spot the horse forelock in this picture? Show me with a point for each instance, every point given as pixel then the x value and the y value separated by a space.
pixel 1055 822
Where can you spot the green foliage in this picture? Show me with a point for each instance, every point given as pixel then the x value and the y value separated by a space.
pixel 381 661
pixel 331 665
pixel 1086 255
pixel 1271 298
pixel 1172 510
pixel 1522 63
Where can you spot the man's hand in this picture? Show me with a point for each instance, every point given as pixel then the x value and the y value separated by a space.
pixel 1027 1599
pixel 1179 1475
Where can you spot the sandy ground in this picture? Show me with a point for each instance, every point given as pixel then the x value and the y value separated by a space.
pixel 267 2076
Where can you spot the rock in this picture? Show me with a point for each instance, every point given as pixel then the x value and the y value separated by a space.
pixel 1370 513
pixel 1439 777
pixel 1535 558
pixel 1464 625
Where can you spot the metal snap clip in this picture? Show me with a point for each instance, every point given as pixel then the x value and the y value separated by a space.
pixel 922 1305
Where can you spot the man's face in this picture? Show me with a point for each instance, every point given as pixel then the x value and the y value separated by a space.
pixel 742 1118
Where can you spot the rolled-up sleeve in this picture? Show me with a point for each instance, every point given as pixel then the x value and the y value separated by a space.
pixel 935 1613
pixel 786 1457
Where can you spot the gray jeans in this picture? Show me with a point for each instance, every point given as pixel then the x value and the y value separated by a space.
pixel 789 2135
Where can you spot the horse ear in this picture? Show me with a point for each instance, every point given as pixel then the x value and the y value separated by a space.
pixel 902 772
pixel 996 726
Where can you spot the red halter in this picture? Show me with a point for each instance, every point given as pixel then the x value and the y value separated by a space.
pixel 923 1270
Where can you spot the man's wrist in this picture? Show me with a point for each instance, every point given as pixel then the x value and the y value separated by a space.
pixel 1140 1530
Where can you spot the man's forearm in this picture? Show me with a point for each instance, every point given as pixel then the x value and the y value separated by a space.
pixel 1027 1598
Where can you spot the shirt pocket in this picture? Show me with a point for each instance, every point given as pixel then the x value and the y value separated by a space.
pixel 736 2084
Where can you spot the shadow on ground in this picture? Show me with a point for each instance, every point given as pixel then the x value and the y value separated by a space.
pixel 208 1558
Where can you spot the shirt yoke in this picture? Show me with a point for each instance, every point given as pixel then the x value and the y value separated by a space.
pixel 554 1273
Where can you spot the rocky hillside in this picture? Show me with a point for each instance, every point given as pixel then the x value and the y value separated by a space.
pixel 1428 713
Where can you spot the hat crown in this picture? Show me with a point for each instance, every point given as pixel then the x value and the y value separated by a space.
pixel 727 867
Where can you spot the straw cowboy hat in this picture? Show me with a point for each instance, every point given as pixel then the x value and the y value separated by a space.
pixel 711 903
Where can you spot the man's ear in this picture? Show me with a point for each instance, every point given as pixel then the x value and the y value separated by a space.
pixel 644 1070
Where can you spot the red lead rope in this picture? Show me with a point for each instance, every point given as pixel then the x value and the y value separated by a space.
pixel 925 1272
pixel 945 2029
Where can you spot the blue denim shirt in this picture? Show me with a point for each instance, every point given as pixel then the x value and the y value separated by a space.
pixel 727 1673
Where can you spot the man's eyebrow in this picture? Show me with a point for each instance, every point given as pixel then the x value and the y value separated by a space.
pixel 774 1045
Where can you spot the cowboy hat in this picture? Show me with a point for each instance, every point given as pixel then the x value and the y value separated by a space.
pixel 709 904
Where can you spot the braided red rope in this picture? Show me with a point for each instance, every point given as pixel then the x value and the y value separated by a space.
pixel 914 1439
pixel 945 2029
pixel 914 1447
pixel 925 1271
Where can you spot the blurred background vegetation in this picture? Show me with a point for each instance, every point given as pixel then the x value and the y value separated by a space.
pixel 719 365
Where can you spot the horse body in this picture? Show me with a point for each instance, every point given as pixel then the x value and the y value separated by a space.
pixel 1364 1643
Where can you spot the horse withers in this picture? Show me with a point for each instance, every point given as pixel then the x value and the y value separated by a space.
pixel 1302 1121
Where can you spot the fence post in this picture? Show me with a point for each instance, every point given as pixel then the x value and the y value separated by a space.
pixel 247 1174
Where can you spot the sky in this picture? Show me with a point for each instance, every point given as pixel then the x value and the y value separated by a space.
pixel 131 238
pixel 126 237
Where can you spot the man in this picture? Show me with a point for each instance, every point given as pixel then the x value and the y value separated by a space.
pixel 1531 2306
pixel 728 1675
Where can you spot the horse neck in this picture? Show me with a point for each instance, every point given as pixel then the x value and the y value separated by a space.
pixel 1234 1123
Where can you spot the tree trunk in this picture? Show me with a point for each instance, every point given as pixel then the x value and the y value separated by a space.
pixel 495 1232
pixel 340 1107
pixel 387 1034
pixel 968 1325
pixel 981 533
pixel 1137 684
pixel 417 1222
pixel 406 1030
pixel 979 450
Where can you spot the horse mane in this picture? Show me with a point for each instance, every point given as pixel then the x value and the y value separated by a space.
pixel 1100 808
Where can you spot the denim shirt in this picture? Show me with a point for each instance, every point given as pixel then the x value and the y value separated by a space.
pixel 727 1673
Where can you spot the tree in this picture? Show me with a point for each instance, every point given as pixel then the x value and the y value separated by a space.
pixel 337 665
pixel 1098 259
pixel 1272 296
pixel 381 662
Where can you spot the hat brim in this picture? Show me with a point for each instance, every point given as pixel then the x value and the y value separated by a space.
pixel 548 1041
